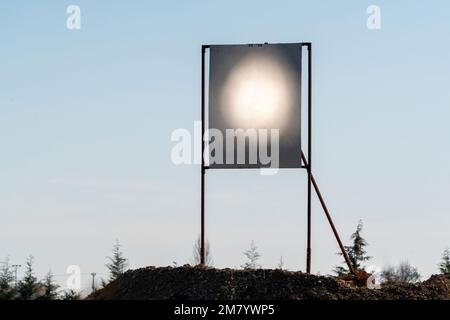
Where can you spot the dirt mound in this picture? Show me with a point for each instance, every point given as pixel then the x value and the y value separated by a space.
pixel 207 283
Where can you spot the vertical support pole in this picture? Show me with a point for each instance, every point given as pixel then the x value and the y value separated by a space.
pixel 93 274
pixel 15 266
pixel 330 221
pixel 308 249
pixel 202 173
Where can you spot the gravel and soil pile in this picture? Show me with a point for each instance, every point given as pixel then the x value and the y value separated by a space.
pixel 208 283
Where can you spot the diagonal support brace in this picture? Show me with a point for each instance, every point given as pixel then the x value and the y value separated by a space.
pixel 330 221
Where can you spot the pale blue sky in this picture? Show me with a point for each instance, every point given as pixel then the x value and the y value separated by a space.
pixel 86 118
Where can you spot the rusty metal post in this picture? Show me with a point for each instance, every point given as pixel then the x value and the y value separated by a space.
pixel 202 174
pixel 330 221
pixel 308 249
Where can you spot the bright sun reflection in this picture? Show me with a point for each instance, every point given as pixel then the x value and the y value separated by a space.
pixel 256 94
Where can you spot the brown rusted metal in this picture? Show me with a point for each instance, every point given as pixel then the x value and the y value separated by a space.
pixel 308 167
pixel 202 175
pixel 330 221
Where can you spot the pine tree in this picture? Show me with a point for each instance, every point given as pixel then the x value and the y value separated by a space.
pixel 197 254
pixel 50 288
pixel 444 265
pixel 70 295
pixel 281 263
pixel 28 285
pixel 356 252
pixel 118 263
pixel 253 256
pixel 7 289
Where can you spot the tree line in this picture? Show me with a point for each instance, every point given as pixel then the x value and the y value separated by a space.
pixel 403 272
pixel 29 287
pixel 357 253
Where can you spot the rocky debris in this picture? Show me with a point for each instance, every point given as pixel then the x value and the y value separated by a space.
pixel 188 282
pixel 358 279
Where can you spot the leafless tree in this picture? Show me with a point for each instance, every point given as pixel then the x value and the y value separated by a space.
pixel 197 253
pixel 404 272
